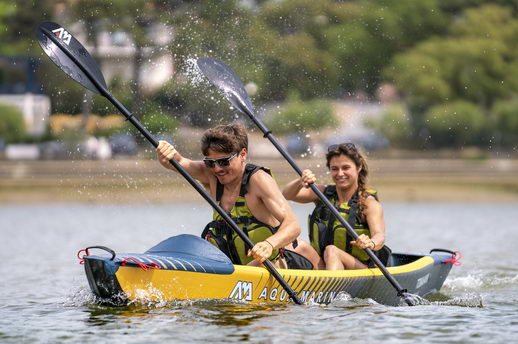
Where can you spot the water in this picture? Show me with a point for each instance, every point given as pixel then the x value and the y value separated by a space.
pixel 44 295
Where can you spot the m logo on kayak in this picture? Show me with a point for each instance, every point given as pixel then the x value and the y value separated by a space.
pixel 242 291
pixel 63 35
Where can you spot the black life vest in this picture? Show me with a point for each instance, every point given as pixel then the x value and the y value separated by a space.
pixel 325 229
pixel 220 234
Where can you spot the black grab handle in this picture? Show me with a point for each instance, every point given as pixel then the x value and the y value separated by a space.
pixel 107 249
pixel 443 250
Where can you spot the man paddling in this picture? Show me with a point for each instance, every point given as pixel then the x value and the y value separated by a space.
pixel 245 191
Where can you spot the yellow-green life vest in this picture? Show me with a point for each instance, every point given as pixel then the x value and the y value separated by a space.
pixel 323 232
pixel 220 234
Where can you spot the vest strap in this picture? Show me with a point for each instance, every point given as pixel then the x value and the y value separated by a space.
pixel 224 238
pixel 250 169
pixel 321 214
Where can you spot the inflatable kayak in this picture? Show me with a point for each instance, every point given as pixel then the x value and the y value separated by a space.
pixel 188 267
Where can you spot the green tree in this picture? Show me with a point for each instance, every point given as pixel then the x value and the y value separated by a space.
pixel 218 29
pixel 291 37
pixel 193 104
pixel 297 116
pixel 316 48
pixel 456 7
pixel 67 96
pixel 18 20
pixel 294 63
pixel 396 125
pixel 476 63
pixel 158 122
pixel 440 70
pixel 456 123
pixel 505 113
pixel 364 42
pixel 12 125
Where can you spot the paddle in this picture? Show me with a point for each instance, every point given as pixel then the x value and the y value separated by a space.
pixel 229 83
pixel 69 55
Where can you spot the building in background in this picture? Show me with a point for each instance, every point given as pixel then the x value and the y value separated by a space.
pixel 115 52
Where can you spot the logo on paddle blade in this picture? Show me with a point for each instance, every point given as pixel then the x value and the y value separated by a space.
pixel 242 291
pixel 63 35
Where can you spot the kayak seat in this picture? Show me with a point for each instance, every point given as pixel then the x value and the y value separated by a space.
pixel 185 252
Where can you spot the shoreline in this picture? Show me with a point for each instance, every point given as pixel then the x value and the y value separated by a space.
pixel 145 181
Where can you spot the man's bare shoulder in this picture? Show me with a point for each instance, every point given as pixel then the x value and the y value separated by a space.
pixel 261 181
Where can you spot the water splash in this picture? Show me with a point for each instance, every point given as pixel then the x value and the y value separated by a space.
pixel 475 300
pixel 80 296
pixel 471 300
pixel 343 299
pixel 480 281
pixel 193 72
pixel 149 297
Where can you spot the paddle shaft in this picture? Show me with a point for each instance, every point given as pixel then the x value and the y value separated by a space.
pixel 129 116
pixel 268 134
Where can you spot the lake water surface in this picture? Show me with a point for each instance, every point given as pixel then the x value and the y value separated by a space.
pixel 44 294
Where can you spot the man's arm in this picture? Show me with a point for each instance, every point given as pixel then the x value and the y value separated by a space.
pixel 289 229
pixel 196 169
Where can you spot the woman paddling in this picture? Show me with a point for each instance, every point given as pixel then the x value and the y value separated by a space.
pixel 357 204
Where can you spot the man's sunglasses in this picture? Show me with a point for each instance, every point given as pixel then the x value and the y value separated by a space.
pixel 222 162
pixel 347 145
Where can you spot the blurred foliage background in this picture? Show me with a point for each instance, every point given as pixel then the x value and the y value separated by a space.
pixel 453 63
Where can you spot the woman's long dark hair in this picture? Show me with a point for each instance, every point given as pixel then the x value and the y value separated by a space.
pixel 350 150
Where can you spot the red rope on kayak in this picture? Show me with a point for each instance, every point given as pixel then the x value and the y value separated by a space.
pixel 81 258
pixel 455 258
pixel 142 265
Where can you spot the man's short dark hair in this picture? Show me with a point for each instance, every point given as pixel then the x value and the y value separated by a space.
pixel 224 138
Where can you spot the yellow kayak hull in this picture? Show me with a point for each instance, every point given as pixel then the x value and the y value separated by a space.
pixel 179 277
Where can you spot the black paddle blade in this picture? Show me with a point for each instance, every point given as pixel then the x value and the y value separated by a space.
pixel 221 76
pixel 69 55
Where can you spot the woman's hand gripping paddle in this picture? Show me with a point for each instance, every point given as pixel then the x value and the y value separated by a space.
pixel 69 55
pixel 232 88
